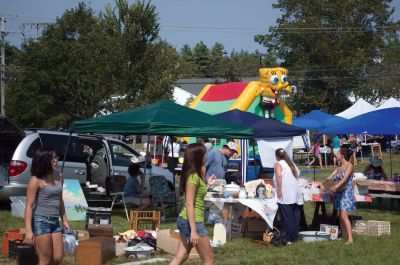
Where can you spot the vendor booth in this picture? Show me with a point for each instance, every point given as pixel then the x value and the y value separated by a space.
pixel 380 122
pixel 163 118
pixel 276 133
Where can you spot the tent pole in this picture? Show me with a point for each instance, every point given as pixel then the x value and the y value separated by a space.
pixel 390 155
pixel 155 146
pixel 66 151
pixel 142 178
pixel 173 172
pixel 255 160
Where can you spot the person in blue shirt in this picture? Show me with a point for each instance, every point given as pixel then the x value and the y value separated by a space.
pixel 133 189
pixel 217 161
pixel 336 147
pixel 217 165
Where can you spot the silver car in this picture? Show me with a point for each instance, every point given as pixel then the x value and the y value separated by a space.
pixel 89 157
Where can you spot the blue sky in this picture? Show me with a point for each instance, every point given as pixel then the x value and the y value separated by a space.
pixel 231 22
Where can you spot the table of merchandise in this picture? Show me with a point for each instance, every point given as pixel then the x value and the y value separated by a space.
pixel 266 208
pixel 380 188
pixel 311 192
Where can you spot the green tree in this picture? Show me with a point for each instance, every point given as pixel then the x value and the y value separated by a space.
pixel 328 46
pixel 201 56
pixel 386 81
pixel 217 60
pixel 85 65
pixel 187 65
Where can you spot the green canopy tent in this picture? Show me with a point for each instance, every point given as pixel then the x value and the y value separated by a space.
pixel 163 118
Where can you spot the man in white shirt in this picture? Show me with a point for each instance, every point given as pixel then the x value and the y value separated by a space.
pixel 173 155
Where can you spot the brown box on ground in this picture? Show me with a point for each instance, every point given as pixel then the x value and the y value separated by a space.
pixel 254 228
pixel 95 251
pixel 100 230
pixel 167 240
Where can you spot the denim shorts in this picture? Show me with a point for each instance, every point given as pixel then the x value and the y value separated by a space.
pixel 43 225
pixel 184 227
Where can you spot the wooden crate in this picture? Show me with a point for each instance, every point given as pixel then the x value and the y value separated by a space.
pixel 95 251
pixel 372 228
pixel 140 220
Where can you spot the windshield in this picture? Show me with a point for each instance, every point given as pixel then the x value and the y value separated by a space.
pixel 122 154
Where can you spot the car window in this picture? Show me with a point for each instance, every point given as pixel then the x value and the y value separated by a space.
pixel 35 145
pixel 122 154
pixel 59 143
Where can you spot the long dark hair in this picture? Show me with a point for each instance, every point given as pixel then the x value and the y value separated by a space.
pixel 41 162
pixel 281 154
pixel 193 162
pixel 347 154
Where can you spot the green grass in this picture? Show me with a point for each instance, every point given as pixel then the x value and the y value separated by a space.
pixel 365 250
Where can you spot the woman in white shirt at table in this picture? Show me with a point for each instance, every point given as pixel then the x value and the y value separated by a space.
pixel 289 193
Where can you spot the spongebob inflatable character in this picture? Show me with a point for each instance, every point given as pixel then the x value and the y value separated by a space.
pixel 263 97
pixel 273 82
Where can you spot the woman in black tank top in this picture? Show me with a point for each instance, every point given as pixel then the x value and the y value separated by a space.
pixel 44 207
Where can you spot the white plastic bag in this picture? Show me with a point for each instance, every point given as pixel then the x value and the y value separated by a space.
pixel 69 241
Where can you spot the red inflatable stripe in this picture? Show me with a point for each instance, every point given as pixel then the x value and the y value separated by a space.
pixel 227 91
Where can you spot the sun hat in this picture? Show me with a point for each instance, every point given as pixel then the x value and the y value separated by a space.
pixel 233 146
pixel 375 161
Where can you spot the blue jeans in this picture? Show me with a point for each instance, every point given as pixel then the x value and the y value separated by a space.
pixel 290 220
pixel 184 227
pixel 43 225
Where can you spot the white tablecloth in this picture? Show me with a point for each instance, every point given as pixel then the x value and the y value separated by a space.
pixel 266 208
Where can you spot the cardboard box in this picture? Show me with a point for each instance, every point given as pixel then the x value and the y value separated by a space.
pixel 254 228
pixel 167 240
pixel 331 229
pixel 100 230
pixel 95 251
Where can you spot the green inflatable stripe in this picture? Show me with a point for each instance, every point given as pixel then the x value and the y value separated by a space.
pixel 214 107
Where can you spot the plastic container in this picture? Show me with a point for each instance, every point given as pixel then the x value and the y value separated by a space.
pixel 314 236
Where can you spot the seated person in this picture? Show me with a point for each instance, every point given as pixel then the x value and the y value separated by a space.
pixel 374 169
pixel 133 188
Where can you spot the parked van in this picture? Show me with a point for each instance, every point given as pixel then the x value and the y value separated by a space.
pixel 88 158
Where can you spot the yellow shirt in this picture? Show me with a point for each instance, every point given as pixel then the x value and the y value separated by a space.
pixel 201 190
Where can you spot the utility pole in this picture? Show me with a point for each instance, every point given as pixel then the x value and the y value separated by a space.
pixel 3 68
pixel 3 33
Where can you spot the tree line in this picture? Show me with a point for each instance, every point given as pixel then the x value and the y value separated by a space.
pixel 88 64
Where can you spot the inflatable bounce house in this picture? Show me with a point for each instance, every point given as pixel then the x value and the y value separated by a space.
pixel 261 97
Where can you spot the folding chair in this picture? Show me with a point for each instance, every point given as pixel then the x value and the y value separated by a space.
pixel 161 193
pixel 117 189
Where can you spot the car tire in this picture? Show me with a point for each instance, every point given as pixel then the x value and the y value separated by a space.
pixel 98 170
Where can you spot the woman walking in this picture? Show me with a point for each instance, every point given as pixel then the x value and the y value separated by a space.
pixel 289 193
pixel 44 206
pixel 344 198
pixel 191 219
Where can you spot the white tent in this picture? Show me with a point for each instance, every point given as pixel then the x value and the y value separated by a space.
pixel 390 103
pixel 360 107
pixel 181 96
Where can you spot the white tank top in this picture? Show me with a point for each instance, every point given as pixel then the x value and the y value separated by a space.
pixel 291 191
